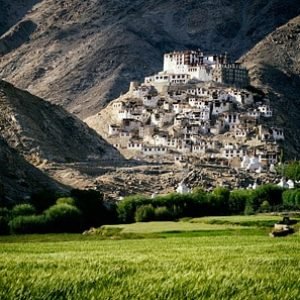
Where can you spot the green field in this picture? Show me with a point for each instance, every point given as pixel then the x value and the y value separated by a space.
pixel 163 260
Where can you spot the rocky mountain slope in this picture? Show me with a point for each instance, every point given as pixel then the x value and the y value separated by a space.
pixel 274 67
pixel 42 131
pixel 13 11
pixel 81 54
pixel 18 178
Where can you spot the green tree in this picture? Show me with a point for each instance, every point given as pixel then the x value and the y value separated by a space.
pixel 23 210
pixel 66 200
pixel 265 206
pixel 127 207
pixel 163 213
pixel 64 218
pixel 237 201
pixel 292 170
pixel 94 211
pixel 144 213
pixel 28 224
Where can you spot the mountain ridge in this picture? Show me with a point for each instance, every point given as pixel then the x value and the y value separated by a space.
pixel 274 67
pixel 84 54
pixel 37 128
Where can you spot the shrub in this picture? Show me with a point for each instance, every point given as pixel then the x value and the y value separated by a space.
pixel 268 192
pixel 64 218
pixel 237 201
pixel 220 201
pixel 249 209
pixel 23 210
pixel 28 224
pixel 292 170
pixel 127 207
pixel 291 199
pixel 144 213
pixel 66 200
pixel 162 213
pixel 265 206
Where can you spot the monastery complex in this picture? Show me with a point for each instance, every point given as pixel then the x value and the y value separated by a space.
pixel 197 110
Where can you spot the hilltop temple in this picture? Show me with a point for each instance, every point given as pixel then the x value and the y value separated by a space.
pixel 196 110
pixel 182 67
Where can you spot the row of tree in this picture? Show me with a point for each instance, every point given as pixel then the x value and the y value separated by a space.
pixel 84 209
pixel 200 203
pixel 45 213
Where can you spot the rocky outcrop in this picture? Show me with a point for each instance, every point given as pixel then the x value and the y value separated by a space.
pixel 84 53
pixel 17 36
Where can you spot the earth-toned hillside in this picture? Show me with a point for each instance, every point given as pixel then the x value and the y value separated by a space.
pixel 18 178
pixel 274 66
pixel 43 131
pixel 81 54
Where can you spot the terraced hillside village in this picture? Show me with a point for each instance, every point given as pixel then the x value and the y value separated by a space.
pixel 83 55
pixel 197 110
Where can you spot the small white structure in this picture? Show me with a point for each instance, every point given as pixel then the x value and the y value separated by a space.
pixel 265 111
pixel 277 133
pixel 182 188
pixel 283 183
pixel 251 164
pixel 272 168
pixel 291 184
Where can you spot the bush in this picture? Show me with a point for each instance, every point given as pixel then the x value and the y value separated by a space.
pixel 249 209
pixel 144 213
pixel 66 200
pixel 292 170
pixel 265 206
pixel 28 224
pixel 23 210
pixel 268 192
pixel 64 218
pixel 127 207
pixel 237 201
pixel 220 201
pixel 291 199
pixel 162 213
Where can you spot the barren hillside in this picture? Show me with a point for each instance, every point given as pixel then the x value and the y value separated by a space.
pixel 43 131
pixel 18 178
pixel 81 54
pixel 274 66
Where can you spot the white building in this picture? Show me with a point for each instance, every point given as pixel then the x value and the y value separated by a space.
pixel 180 67
pixel 265 111
pixel 154 150
pixel 182 188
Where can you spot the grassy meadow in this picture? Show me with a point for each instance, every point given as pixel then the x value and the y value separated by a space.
pixel 206 258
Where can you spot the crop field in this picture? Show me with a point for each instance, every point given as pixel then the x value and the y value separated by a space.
pixel 171 264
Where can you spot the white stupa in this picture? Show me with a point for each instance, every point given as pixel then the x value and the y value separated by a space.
pixel 291 184
pixel 245 162
pixel 254 164
pixel 182 188
pixel 272 168
pixel 283 183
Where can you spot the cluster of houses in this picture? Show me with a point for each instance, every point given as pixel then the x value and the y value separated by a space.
pixel 202 120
